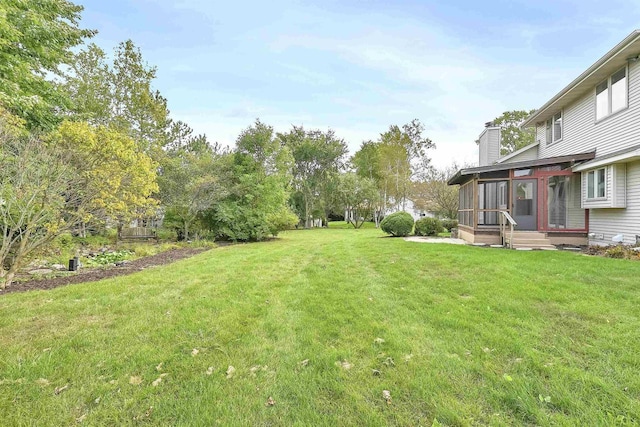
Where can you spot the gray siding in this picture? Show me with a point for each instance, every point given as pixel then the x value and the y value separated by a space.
pixel 524 156
pixel 489 146
pixel 581 133
pixel 610 222
pixel 619 196
pixel 615 189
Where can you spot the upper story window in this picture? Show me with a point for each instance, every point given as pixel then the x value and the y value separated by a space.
pixel 554 128
pixel 596 184
pixel 611 94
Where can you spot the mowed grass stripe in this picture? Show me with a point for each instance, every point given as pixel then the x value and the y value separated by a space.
pixel 469 335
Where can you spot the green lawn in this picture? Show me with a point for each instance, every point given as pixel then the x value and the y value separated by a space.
pixel 461 335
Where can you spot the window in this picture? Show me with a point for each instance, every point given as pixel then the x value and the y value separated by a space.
pixel 611 94
pixel 554 128
pixel 596 184
pixel 465 209
pixel 491 198
pixel 563 203
pixel 522 172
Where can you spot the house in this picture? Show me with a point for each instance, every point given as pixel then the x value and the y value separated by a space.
pixel 407 206
pixel 579 182
pixel 410 207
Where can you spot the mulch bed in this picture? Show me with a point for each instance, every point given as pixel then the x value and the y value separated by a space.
pixel 95 274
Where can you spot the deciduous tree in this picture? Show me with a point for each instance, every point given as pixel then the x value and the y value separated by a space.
pixel 190 180
pixel 512 137
pixel 404 157
pixel 37 187
pixel 318 157
pixel 435 195
pixel 36 38
pixel 257 176
pixel 117 178
pixel 120 95
pixel 53 185
pixel 358 197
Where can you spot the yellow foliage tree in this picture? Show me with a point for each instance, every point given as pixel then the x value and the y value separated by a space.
pixel 53 185
pixel 118 178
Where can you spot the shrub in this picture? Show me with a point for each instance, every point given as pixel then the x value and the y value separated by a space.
pixel 167 234
pixel 428 227
pixel 285 219
pixel 448 224
pixel 397 224
pixel 108 258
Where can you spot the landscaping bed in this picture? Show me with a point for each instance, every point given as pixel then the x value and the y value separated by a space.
pixel 104 272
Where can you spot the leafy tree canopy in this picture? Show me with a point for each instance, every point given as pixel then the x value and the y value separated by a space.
pixel 318 156
pixel 121 95
pixel 512 137
pixel 257 176
pixel 119 178
pixel 36 38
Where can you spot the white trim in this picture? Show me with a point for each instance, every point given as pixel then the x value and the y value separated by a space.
pixel 551 122
pixel 610 111
pixel 612 54
pixel 487 129
pixel 519 151
pixel 605 177
pixel 596 163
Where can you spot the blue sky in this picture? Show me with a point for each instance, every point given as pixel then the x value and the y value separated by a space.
pixel 359 66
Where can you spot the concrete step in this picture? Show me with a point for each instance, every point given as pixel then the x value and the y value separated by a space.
pixel 542 247
pixel 526 240
pixel 527 234
pixel 531 242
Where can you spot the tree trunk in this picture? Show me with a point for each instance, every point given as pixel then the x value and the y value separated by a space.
pixel 9 274
pixel 6 281
pixel 306 213
pixel 185 229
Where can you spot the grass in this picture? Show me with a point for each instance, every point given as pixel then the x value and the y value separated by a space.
pixel 461 335
pixel 343 225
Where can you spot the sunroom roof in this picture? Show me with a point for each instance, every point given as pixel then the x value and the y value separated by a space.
pixel 464 174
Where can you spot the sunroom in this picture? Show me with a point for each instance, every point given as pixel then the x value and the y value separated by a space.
pixel 542 198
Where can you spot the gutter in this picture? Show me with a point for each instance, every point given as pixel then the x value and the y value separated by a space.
pixel 602 61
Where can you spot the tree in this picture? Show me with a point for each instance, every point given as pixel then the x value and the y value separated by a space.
pixel 56 184
pixel 512 137
pixel 404 156
pixel 189 180
pixel 139 110
pixel 117 180
pixel 121 96
pixel 36 187
pixel 36 38
pixel 318 157
pixel 358 197
pixel 435 195
pixel 89 86
pixel 367 162
pixel 257 177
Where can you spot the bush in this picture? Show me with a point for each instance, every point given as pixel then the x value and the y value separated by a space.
pixel 428 227
pixel 108 258
pixel 283 220
pixel 397 224
pixel 167 234
pixel 448 224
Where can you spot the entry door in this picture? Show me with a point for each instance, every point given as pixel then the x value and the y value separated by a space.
pixel 525 203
